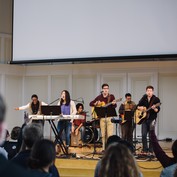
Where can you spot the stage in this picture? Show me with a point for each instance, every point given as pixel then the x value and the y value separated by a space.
pixel 82 161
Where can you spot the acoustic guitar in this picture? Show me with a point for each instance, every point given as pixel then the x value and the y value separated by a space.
pixel 141 116
pixel 102 104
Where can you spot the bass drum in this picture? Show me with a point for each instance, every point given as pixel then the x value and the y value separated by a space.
pixel 91 135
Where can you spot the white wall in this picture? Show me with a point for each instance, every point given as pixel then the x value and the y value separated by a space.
pixel 18 83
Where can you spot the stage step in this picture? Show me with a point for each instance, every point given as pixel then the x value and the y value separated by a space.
pixel 85 167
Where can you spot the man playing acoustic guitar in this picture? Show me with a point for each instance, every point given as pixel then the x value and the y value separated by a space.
pixel 149 106
pixel 106 125
pixel 126 111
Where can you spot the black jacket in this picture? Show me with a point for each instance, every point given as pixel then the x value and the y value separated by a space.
pixel 144 102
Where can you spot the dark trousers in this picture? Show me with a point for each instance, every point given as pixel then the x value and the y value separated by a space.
pixel 145 132
pixel 127 131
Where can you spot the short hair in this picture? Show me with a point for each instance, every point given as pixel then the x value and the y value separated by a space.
pixel 78 105
pixel 32 133
pixel 15 133
pixel 43 154
pixel 2 109
pixel 127 94
pixel 116 139
pixel 174 150
pixel 34 96
pixel 150 87
pixel 105 84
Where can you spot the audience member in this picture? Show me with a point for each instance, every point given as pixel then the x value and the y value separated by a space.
pixel 42 157
pixel 7 168
pixel 30 135
pixel 169 163
pixel 10 144
pixel 118 161
pixel 112 139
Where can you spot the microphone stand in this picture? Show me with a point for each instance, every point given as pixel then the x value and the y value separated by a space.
pixel 54 101
pixel 78 101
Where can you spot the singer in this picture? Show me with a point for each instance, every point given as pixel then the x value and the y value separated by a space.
pixel 34 107
pixel 68 107
pixel 106 125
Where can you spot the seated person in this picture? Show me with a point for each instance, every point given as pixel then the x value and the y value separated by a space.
pixel 42 157
pixel 10 145
pixel 164 159
pixel 78 125
pixel 7 168
pixel 169 163
pixel 118 161
pixel 30 135
pixel 112 139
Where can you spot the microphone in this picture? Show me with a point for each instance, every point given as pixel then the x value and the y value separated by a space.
pixel 82 101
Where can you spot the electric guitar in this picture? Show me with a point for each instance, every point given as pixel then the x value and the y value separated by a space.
pixel 141 116
pixel 102 104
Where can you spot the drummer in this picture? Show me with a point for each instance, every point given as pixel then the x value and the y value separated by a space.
pixel 78 125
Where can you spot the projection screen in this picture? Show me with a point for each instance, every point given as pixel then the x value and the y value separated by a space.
pixel 81 29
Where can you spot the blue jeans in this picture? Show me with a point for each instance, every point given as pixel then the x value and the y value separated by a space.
pixel 145 131
pixel 82 130
pixel 66 126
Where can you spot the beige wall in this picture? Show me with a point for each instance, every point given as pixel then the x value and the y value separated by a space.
pixel 6 16
pixel 18 83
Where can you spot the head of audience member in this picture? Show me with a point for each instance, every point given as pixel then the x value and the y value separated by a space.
pixel 31 134
pixel 2 117
pixel 116 139
pixel 65 97
pixel 118 161
pixel 34 99
pixel 79 107
pixel 174 150
pixel 15 133
pixel 42 155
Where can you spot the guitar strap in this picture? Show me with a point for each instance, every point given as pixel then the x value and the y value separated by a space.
pixel 151 103
pixel 109 98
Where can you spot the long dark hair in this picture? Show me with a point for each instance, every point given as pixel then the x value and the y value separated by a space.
pixel 118 161
pixel 67 97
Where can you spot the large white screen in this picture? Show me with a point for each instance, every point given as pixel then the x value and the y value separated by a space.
pixel 66 29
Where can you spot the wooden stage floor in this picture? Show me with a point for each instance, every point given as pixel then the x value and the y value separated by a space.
pixel 82 161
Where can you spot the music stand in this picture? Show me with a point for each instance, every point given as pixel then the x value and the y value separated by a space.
pixel 104 112
pixel 52 111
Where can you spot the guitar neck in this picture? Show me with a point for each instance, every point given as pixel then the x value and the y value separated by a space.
pixel 106 105
pixel 156 105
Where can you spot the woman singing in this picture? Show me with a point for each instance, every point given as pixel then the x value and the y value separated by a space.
pixel 68 107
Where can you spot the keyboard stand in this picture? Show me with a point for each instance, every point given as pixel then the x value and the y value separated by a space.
pixel 58 139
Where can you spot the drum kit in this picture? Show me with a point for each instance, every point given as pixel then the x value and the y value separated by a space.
pixel 92 131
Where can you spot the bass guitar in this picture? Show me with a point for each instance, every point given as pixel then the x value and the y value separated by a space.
pixel 102 104
pixel 141 116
